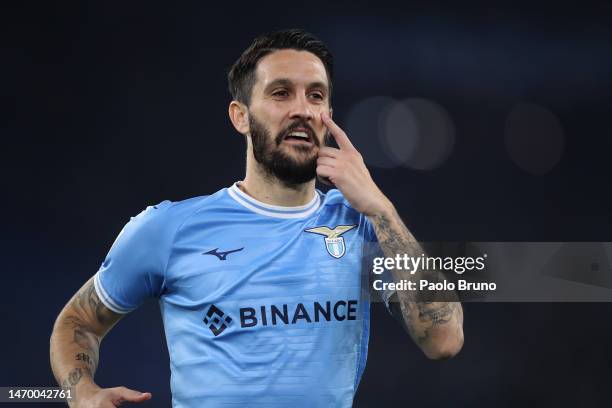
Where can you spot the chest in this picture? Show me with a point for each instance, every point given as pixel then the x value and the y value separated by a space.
pixel 254 259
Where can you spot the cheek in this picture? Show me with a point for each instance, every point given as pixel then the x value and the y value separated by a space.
pixel 271 118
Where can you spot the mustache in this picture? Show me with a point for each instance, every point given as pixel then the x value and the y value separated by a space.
pixel 300 123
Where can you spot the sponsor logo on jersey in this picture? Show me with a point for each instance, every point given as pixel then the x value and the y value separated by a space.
pixel 273 315
pixel 216 320
pixel 221 255
pixel 334 241
pixel 285 314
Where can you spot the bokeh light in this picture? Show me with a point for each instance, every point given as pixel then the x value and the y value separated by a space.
pixel 435 134
pixel 534 138
pixel 364 126
pixel 400 136
pixel 415 132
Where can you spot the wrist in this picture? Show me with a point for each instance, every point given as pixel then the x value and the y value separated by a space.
pixel 383 208
pixel 85 388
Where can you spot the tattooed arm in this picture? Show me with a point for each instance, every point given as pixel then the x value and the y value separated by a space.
pixel 75 345
pixel 436 326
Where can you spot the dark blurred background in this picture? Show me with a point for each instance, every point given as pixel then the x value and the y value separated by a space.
pixel 485 121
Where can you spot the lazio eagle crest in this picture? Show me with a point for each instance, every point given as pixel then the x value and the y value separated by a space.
pixel 334 242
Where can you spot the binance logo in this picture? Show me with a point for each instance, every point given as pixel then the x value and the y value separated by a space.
pixel 216 320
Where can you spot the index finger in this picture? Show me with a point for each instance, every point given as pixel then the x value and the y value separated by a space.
pixel 341 138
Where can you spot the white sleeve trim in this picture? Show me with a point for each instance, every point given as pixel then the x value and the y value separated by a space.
pixel 106 299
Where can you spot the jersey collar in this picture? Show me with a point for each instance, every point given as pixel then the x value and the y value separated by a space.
pixel 273 210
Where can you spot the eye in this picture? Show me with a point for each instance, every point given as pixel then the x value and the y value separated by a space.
pixel 280 93
pixel 317 95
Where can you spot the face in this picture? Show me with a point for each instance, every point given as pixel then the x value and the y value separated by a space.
pixel 290 92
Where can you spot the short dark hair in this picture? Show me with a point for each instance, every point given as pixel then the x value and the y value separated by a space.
pixel 241 76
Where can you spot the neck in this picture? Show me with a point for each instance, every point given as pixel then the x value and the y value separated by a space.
pixel 268 189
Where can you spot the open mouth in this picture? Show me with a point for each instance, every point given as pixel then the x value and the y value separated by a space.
pixel 301 136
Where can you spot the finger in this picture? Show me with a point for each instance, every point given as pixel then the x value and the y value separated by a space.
pixel 125 394
pixel 327 161
pixel 325 180
pixel 325 171
pixel 338 134
pixel 328 151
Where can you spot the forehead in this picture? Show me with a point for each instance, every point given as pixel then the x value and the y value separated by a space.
pixel 301 67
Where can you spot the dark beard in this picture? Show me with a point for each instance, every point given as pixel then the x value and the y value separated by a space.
pixel 274 161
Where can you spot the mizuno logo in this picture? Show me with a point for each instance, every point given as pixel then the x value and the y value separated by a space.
pixel 221 255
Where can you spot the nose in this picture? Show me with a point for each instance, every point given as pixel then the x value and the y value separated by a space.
pixel 301 108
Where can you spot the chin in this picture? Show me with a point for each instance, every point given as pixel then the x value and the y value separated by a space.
pixel 304 151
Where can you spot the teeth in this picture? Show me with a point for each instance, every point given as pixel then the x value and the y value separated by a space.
pixel 299 134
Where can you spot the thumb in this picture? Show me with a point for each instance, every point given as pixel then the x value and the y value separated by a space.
pixel 124 394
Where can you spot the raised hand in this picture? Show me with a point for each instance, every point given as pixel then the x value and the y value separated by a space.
pixel 344 167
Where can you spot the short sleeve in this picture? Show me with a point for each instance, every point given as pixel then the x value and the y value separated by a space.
pixel 373 250
pixel 135 266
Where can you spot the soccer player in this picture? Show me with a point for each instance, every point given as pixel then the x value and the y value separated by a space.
pixel 259 284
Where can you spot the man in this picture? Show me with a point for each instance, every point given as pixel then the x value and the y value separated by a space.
pixel 259 284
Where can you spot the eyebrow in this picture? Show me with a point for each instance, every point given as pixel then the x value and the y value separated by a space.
pixel 286 82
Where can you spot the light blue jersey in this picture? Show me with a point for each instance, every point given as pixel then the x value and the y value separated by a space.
pixel 263 306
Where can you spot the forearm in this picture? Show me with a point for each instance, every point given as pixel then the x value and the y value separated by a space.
pixel 74 351
pixel 434 321
pixel 435 326
pixel 76 337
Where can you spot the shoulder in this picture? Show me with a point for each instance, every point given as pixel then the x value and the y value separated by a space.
pixel 334 197
pixel 163 219
pixel 335 202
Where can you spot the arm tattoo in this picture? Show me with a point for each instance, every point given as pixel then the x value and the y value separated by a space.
pixel 86 303
pixel 96 307
pixel 75 376
pixel 440 315
pixel 419 313
pixel 85 339
pixel 84 357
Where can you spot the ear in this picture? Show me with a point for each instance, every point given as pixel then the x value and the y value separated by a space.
pixel 239 115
